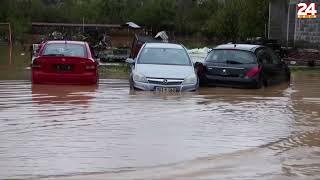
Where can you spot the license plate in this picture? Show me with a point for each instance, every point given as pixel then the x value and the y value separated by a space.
pixel 63 67
pixel 166 90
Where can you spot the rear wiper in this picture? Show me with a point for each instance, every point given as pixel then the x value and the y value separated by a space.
pixel 53 55
pixel 233 62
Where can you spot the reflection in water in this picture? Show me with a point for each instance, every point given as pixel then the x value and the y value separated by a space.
pixel 52 94
pixel 110 132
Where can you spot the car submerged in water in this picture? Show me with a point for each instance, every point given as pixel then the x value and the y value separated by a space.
pixel 163 67
pixel 242 65
pixel 65 62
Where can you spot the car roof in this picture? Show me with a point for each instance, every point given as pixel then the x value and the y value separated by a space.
pixel 243 47
pixel 164 45
pixel 66 42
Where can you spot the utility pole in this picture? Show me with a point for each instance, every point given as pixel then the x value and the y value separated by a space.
pixel 82 24
pixel 10 44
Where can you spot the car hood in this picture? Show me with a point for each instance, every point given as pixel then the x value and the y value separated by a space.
pixel 165 71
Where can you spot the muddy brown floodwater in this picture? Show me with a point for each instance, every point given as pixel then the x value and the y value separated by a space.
pixel 108 132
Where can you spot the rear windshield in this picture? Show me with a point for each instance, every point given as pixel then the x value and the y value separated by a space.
pixel 71 50
pixel 231 57
pixel 164 56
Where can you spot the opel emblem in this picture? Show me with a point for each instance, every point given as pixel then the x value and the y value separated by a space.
pixel 165 82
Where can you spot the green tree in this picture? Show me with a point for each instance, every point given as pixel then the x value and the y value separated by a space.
pixel 113 11
pixel 239 19
pixel 230 20
pixel 254 18
pixel 225 22
pixel 156 14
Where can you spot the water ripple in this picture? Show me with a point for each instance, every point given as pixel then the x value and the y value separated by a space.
pixel 52 131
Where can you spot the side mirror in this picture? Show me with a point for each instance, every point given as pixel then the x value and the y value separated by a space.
pixel 197 64
pixel 130 61
pixel 200 69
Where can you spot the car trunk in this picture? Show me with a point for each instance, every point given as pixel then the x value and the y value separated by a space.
pixel 74 65
pixel 229 70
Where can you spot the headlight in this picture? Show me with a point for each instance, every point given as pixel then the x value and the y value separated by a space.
pixel 139 78
pixel 190 80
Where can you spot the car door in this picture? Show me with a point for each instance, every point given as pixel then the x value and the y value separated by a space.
pixel 269 69
pixel 278 67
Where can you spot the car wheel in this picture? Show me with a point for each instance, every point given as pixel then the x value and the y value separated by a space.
pixel 132 87
pixel 203 82
pixel 131 83
pixel 259 84
pixel 265 82
pixel 198 84
pixel 262 82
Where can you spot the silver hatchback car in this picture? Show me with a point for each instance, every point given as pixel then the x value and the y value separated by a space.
pixel 163 67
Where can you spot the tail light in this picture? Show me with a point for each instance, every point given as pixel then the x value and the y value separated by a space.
pixel 253 72
pixel 36 64
pixel 91 67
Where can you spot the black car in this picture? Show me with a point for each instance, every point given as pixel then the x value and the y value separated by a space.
pixel 242 65
pixel 274 44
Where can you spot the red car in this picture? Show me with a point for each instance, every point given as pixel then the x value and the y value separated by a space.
pixel 65 62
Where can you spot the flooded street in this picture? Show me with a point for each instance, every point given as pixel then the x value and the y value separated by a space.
pixel 108 132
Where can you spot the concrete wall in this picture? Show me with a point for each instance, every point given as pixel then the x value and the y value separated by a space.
pixel 278 19
pixel 307 32
pixel 292 24
pixel 284 26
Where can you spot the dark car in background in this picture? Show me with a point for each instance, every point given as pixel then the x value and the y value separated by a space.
pixel 242 65
pixel 138 42
pixel 274 44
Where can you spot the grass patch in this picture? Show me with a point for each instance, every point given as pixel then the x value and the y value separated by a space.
pixel 14 73
pixel 114 72
pixel 305 69
pixel 20 58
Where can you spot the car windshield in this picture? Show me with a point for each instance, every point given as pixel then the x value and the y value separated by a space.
pixel 164 56
pixel 71 50
pixel 231 57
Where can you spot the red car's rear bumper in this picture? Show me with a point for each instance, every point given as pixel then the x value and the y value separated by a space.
pixel 55 78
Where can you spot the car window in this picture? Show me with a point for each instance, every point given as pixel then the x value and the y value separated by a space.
pixel 231 57
pixel 274 58
pixel 71 50
pixel 165 56
pixel 263 56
